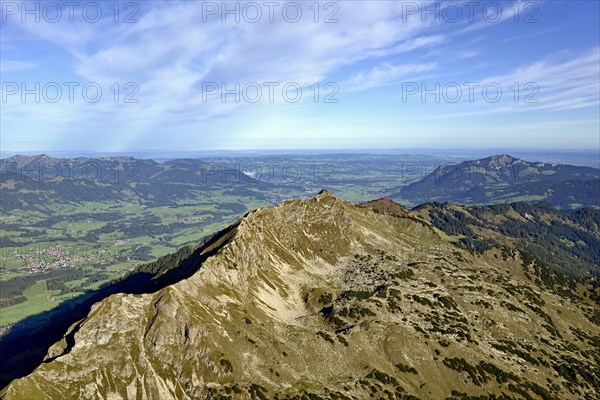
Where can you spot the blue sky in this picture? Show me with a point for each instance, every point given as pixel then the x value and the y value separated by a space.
pixel 371 60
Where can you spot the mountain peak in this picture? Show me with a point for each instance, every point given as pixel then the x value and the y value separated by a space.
pixel 502 176
pixel 385 206
pixel 324 193
pixel 500 159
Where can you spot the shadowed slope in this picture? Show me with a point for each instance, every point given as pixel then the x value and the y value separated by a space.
pixel 24 347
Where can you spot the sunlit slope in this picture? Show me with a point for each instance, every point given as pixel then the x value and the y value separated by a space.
pixel 325 298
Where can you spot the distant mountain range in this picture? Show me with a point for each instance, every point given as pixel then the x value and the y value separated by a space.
pixel 32 181
pixel 503 179
pixel 29 181
pixel 322 299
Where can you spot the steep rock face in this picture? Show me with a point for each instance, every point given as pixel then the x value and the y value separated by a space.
pixel 325 298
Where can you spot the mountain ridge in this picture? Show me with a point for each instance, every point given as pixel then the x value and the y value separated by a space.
pixel 503 179
pixel 320 298
pixel 33 182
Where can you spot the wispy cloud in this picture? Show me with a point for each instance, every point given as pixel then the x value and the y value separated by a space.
pixel 387 74
pixel 565 80
pixel 170 55
pixel 559 82
pixel 14 65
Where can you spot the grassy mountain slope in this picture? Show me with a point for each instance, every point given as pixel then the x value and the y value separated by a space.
pixel 322 299
pixel 568 241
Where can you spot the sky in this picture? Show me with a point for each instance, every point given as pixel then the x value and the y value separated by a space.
pixel 202 75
